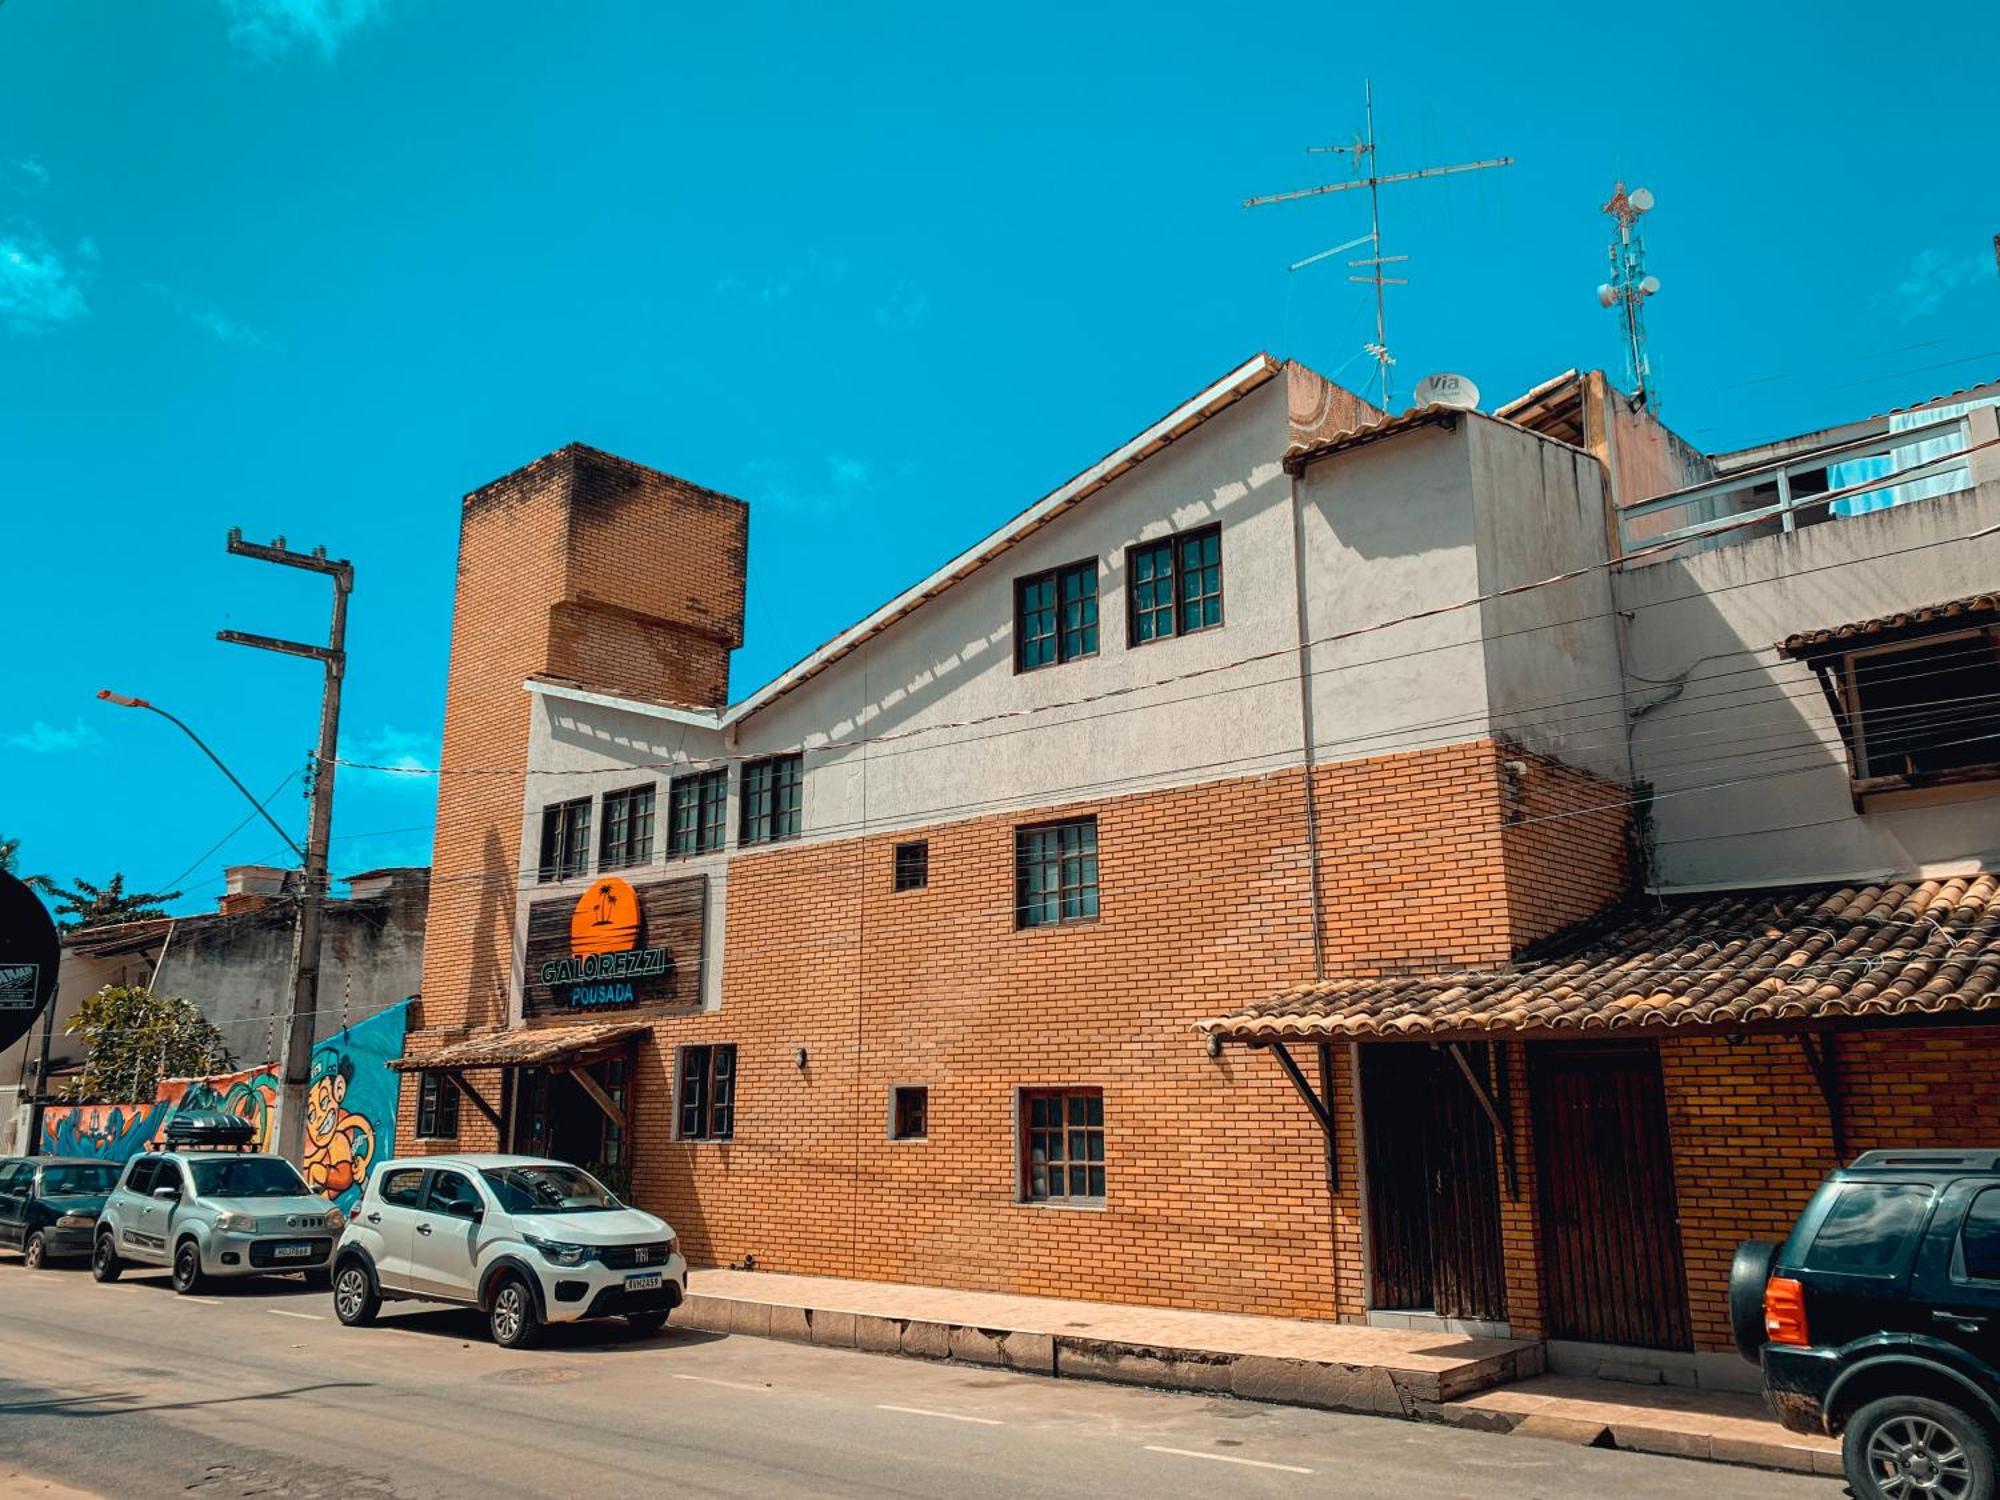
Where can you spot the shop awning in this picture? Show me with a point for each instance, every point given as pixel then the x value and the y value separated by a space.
pixel 1790 957
pixel 523 1047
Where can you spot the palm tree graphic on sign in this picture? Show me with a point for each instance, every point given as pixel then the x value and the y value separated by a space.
pixel 606 919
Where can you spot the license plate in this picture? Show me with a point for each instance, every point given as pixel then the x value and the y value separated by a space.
pixel 292 1252
pixel 645 1281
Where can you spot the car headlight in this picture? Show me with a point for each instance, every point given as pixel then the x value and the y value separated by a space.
pixel 335 1219
pixel 75 1221
pixel 561 1253
pixel 231 1223
pixel 673 1243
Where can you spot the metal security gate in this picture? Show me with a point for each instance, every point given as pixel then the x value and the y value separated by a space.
pixel 1611 1246
pixel 1433 1190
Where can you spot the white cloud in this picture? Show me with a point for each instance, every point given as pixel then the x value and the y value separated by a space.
pixel 222 328
pixel 400 751
pixel 41 738
pixel 34 171
pixel 847 473
pixel 1932 277
pixel 37 287
pixel 270 28
pixel 775 287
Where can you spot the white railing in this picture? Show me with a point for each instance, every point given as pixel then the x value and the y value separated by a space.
pixel 1883 469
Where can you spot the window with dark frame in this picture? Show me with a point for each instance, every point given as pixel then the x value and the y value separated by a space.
pixel 627 838
pixel 1055 873
pixel 1055 616
pixel 1979 1239
pixel 708 1092
pixel 913 865
pixel 566 840
pixel 909 1112
pixel 1174 585
pixel 1062 1145
pixel 1920 713
pixel 771 799
pixel 437 1108
pixel 696 808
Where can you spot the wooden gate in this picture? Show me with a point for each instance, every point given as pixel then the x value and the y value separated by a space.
pixel 1611 1247
pixel 1433 1190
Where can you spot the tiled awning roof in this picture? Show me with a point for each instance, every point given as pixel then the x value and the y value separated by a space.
pixel 1716 962
pixel 1974 609
pixel 522 1047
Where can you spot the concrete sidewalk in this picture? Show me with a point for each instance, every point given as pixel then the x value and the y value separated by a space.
pixel 1493 1384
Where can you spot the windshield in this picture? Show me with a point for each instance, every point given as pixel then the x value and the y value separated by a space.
pixel 246 1177
pixel 86 1178
pixel 548 1189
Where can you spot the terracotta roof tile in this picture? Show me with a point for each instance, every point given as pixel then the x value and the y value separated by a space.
pixel 521 1046
pixel 1971 610
pixel 1742 958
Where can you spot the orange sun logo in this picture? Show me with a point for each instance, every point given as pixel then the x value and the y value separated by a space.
pixel 606 919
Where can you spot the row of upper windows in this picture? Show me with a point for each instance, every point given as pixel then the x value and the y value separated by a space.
pixel 1173 587
pixel 769 802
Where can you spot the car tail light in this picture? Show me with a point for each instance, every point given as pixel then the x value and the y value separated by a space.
pixel 1785 1311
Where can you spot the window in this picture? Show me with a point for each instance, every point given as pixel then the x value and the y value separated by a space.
pixel 566 839
pixel 437 1108
pixel 140 1179
pixel 913 866
pixel 628 829
pixel 909 1112
pixel 403 1187
pixel 695 808
pixel 1923 713
pixel 1174 586
pixel 1062 1145
pixel 1055 873
pixel 1869 1229
pixel 771 799
pixel 452 1195
pixel 1979 1241
pixel 1055 616
pixel 708 1093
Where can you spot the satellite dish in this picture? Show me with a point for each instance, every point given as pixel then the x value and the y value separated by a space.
pixel 1642 199
pixel 1447 390
pixel 1607 295
pixel 1649 285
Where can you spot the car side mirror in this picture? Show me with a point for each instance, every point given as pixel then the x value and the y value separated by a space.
pixel 167 1194
pixel 474 1212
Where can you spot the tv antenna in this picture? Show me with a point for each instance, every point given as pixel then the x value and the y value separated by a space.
pixel 1629 287
pixel 1361 159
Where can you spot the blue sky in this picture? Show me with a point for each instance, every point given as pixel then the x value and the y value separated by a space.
pixel 318 267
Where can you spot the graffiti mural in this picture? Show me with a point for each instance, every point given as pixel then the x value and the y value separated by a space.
pixel 251 1094
pixel 108 1132
pixel 351 1108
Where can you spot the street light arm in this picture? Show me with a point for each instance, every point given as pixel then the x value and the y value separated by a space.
pixel 124 702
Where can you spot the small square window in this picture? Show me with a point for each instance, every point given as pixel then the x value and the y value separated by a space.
pixel 909 1112
pixel 913 865
pixel 1055 873
pixel 1062 1146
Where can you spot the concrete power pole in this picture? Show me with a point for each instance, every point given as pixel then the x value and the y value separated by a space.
pixel 296 1068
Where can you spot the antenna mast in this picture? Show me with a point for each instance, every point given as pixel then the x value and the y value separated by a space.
pixel 1361 155
pixel 1629 287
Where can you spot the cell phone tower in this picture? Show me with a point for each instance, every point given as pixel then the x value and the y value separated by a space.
pixel 1629 287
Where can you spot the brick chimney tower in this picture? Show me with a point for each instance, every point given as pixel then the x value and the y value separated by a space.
pixel 580 566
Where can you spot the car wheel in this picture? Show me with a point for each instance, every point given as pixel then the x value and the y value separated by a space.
pixel 187 1268
pixel 1903 1447
pixel 104 1262
pixel 35 1253
pixel 646 1322
pixel 355 1300
pixel 512 1316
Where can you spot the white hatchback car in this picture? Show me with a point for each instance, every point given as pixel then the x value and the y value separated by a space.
pixel 526 1241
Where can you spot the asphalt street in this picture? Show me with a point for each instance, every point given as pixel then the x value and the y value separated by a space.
pixel 255 1389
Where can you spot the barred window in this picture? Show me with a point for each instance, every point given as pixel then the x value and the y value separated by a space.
pixel 1055 616
pixel 771 799
pixel 913 865
pixel 1062 1145
pixel 1174 586
pixel 628 829
pixel 1055 873
pixel 708 1092
pixel 566 840
pixel 696 806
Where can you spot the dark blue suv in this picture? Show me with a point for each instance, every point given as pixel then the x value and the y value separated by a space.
pixel 49 1204
pixel 1878 1322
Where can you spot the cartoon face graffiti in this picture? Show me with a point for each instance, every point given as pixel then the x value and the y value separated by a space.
pixel 339 1144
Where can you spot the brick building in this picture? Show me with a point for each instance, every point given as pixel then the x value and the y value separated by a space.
pixel 1097 917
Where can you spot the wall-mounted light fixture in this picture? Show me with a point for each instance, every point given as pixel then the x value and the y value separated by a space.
pixel 799 1058
pixel 1214 1044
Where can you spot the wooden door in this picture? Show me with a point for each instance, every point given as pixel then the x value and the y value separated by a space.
pixel 1433 1189
pixel 1611 1247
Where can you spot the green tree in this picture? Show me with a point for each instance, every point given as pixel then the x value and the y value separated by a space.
pixel 135 1038
pixel 10 856
pixel 86 905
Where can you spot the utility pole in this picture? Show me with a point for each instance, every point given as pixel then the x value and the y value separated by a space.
pixel 1361 157
pixel 296 1066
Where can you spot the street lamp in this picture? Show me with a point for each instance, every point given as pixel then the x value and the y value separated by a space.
pixel 126 702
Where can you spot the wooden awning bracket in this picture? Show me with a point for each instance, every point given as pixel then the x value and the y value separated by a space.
pixel 457 1081
pixel 1826 1073
pixel 581 1076
pixel 1320 1103
pixel 1499 1111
